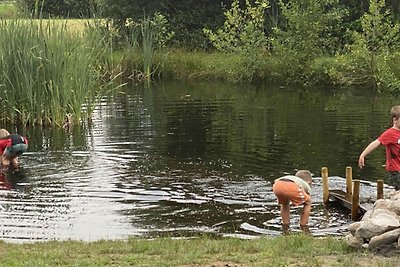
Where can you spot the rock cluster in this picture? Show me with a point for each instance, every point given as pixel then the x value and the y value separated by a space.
pixel 379 227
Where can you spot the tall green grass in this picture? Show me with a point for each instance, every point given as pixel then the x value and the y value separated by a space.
pixel 148 47
pixel 48 72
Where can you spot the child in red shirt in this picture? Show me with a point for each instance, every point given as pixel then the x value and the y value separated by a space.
pixel 391 140
pixel 11 147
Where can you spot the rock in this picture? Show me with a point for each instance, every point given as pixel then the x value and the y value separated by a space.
pixel 395 206
pixel 355 242
pixel 353 227
pixel 382 204
pixel 384 239
pixel 378 212
pixel 394 195
pixel 367 215
pixel 379 228
pixel 376 226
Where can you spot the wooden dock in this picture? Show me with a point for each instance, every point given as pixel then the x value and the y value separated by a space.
pixel 349 199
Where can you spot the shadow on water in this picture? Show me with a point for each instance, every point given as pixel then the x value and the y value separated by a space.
pixel 182 159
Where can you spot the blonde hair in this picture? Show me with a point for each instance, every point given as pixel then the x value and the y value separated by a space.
pixel 4 133
pixel 305 175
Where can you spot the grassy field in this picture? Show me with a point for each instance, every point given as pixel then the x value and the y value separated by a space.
pixel 294 250
pixel 8 9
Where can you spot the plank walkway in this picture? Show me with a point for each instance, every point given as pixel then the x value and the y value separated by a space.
pixel 351 198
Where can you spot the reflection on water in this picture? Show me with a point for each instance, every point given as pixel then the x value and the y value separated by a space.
pixel 182 159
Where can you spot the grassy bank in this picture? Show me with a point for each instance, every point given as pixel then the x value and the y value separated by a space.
pixel 234 68
pixel 193 65
pixel 295 250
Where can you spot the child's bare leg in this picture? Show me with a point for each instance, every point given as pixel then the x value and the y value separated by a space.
pixel 5 161
pixel 285 213
pixel 305 215
pixel 14 161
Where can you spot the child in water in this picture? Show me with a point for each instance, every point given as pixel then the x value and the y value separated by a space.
pixel 295 190
pixel 11 147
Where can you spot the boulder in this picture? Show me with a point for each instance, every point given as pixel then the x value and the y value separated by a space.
pixel 354 227
pixel 367 215
pixel 379 212
pixel 394 195
pixel 384 239
pixel 379 228
pixel 376 226
pixel 395 206
pixel 382 204
pixel 355 242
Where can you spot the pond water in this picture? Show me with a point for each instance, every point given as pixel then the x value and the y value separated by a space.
pixel 181 159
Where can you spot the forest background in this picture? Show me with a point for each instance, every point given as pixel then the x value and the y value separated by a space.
pixel 330 43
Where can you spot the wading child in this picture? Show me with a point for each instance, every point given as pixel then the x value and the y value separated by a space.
pixel 391 140
pixel 11 147
pixel 295 190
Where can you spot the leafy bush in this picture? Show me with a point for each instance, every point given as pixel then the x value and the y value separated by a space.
pixel 243 34
pixel 369 58
pixel 304 36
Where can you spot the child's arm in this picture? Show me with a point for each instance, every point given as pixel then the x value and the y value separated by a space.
pixel 372 146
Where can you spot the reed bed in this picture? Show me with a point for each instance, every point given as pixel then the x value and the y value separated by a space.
pixel 48 73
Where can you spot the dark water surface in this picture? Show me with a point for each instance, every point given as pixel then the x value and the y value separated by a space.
pixel 181 159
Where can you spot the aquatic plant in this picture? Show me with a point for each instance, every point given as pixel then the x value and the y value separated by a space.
pixel 148 46
pixel 146 42
pixel 48 72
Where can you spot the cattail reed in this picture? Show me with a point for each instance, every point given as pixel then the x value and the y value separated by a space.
pixel 47 71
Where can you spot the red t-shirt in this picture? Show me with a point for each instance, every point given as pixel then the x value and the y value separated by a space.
pixel 11 140
pixel 391 140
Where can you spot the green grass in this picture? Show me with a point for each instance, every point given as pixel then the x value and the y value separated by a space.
pixel 8 9
pixel 295 250
pixel 198 65
pixel 183 65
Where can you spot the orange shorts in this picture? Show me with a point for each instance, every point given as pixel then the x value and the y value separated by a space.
pixel 288 191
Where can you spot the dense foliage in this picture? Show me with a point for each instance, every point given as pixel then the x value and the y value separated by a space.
pixel 59 8
pixel 186 18
pixel 307 42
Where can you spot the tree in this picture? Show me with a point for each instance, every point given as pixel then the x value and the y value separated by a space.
pixel 369 56
pixel 186 18
pixel 243 34
pixel 243 29
pixel 59 8
pixel 308 30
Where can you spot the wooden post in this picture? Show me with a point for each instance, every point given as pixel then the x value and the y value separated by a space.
pixel 349 183
pixel 379 189
pixel 356 200
pixel 325 184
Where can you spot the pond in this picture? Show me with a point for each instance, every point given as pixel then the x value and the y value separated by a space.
pixel 181 159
